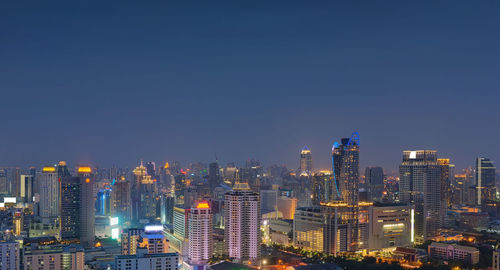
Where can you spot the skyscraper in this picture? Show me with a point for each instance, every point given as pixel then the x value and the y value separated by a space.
pixel 447 175
pixel 349 171
pixel 200 234
pixel 485 180
pixel 143 195
pixel 213 174
pixel 70 207
pixel 420 185
pixel 374 177
pixel 305 162
pixel 48 189
pixel 242 237
pixel 26 188
pixel 120 199
pixel 151 168
pixel 87 215
pixel 322 188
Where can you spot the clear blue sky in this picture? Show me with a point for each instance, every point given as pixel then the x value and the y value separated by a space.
pixel 111 82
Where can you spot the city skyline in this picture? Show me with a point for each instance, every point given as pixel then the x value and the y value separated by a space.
pixel 111 83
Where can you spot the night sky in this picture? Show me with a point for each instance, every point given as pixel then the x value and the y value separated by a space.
pixel 113 82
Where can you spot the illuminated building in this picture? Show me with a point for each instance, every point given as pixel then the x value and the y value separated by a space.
pixel 200 234
pixel 181 221
pixel 447 175
pixel 164 261
pixel 496 259
pixel 153 240
pixel 70 207
pixel 129 240
pixel 103 202
pixel 420 185
pixel 485 180
pixel 120 200
pixel 242 223
pixel 4 184
pixel 48 189
pixel 390 226
pixel 286 206
pixel 167 202
pixel 26 188
pixel 450 252
pixel 322 187
pixel 9 256
pixel 62 170
pixel 87 206
pixel 459 189
pixel 144 201
pixel 17 221
pixel 308 228
pixel 53 257
pixel 374 177
pixel 305 162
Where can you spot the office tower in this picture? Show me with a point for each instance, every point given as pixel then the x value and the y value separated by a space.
pixel 9 256
pixel 200 234
pixel 459 189
pixel 151 168
pixel 213 175
pixel 26 188
pixel 87 213
pixel 53 257
pixel 485 180
pixel 48 188
pixel 181 222
pixel 4 184
pixel 390 226
pixel 143 195
pixel 305 162
pixel 308 228
pixel 447 175
pixel 349 171
pixel 190 196
pixel 268 200
pixel 103 202
pixel 242 223
pixel 62 170
pixel 120 200
pixel 164 261
pixel 420 185
pixel 70 207
pixel 129 240
pixel 167 202
pixel 152 240
pixel 374 177
pixel 323 188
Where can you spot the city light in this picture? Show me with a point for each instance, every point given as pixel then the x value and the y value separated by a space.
pixel 153 228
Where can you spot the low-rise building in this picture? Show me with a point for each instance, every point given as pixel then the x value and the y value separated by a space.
pixel 449 252
pixel 142 261
pixel 53 257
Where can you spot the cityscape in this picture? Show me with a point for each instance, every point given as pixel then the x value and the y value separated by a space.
pixel 238 135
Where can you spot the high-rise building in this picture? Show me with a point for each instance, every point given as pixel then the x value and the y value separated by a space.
pixel 485 180
pixel 374 177
pixel 143 196
pixel 447 175
pixel 213 174
pixel 87 206
pixel 4 183
pixel 129 240
pixel 323 188
pixel 120 199
pixel 151 168
pixel 305 162
pixel 70 207
pixel 308 228
pixel 62 170
pixel 48 189
pixel 9 255
pixel 200 234
pixel 268 200
pixel 26 188
pixel 420 185
pixel 242 223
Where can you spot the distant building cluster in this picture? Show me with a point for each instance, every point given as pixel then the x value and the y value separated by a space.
pixel 195 216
